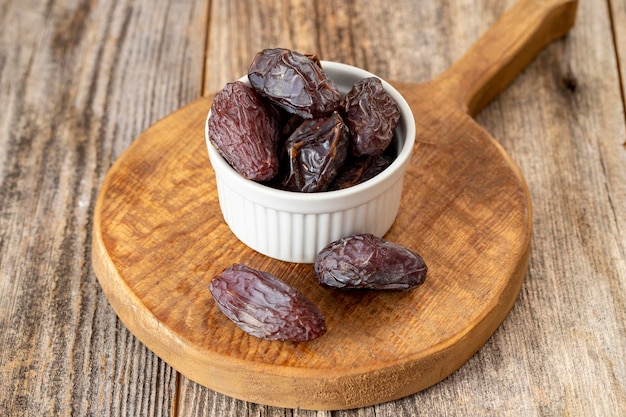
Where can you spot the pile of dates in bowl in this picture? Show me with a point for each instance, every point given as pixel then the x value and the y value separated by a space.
pixel 306 152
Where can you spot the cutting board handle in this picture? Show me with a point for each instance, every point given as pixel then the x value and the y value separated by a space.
pixel 504 50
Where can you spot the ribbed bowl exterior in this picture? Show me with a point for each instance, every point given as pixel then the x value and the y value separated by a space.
pixel 298 237
pixel 294 227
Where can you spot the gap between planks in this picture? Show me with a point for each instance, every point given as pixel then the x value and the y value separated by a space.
pixel 207 39
pixel 620 75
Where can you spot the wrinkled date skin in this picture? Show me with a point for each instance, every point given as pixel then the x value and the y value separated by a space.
pixel 245 131
pixel 315 152
pixel 368 262
pixel 360 170
pixel 372 115
pixel 291 130
pixel 263 306
pixel 294 81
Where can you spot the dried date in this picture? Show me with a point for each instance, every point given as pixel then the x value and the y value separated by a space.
pixel 244 130
pixel 280 130
pixel 360 170
pixel 372 115
pixel 365 261
pixel 314 153
pixel 295 82
pixel 262 305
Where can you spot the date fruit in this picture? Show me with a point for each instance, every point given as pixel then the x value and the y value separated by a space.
pixel 245 131
pixel 361 169
pixel 290 129
pixel 294 81
pixel 372 115
pixel 262 305
pixel 365 261
pixel 314 153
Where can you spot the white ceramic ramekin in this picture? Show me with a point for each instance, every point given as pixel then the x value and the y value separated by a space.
pixel 294 226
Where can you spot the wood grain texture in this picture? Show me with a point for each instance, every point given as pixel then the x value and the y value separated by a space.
pixel 577 269
pixel 78 81
pixel 617 10
pixel 159 238
pixel 560 351
pixel 563 90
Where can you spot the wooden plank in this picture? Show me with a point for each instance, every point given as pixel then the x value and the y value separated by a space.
pixel 382 39
pixel 618 14
pixel 78 82
pixel 618 20
pixel 562 121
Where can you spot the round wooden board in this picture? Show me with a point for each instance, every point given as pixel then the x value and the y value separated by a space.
pixel 159 239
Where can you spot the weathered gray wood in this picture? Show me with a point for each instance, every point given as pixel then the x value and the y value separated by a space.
pixel 79 80
pixel 618 14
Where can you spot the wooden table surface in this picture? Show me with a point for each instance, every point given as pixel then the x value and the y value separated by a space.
pixel 80 80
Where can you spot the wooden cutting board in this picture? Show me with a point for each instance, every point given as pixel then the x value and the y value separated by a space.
pixel 159 238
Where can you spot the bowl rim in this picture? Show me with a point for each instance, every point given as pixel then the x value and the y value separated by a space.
pixel 325 201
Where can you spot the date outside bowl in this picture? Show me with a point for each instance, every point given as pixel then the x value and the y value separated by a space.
pixel 294 226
